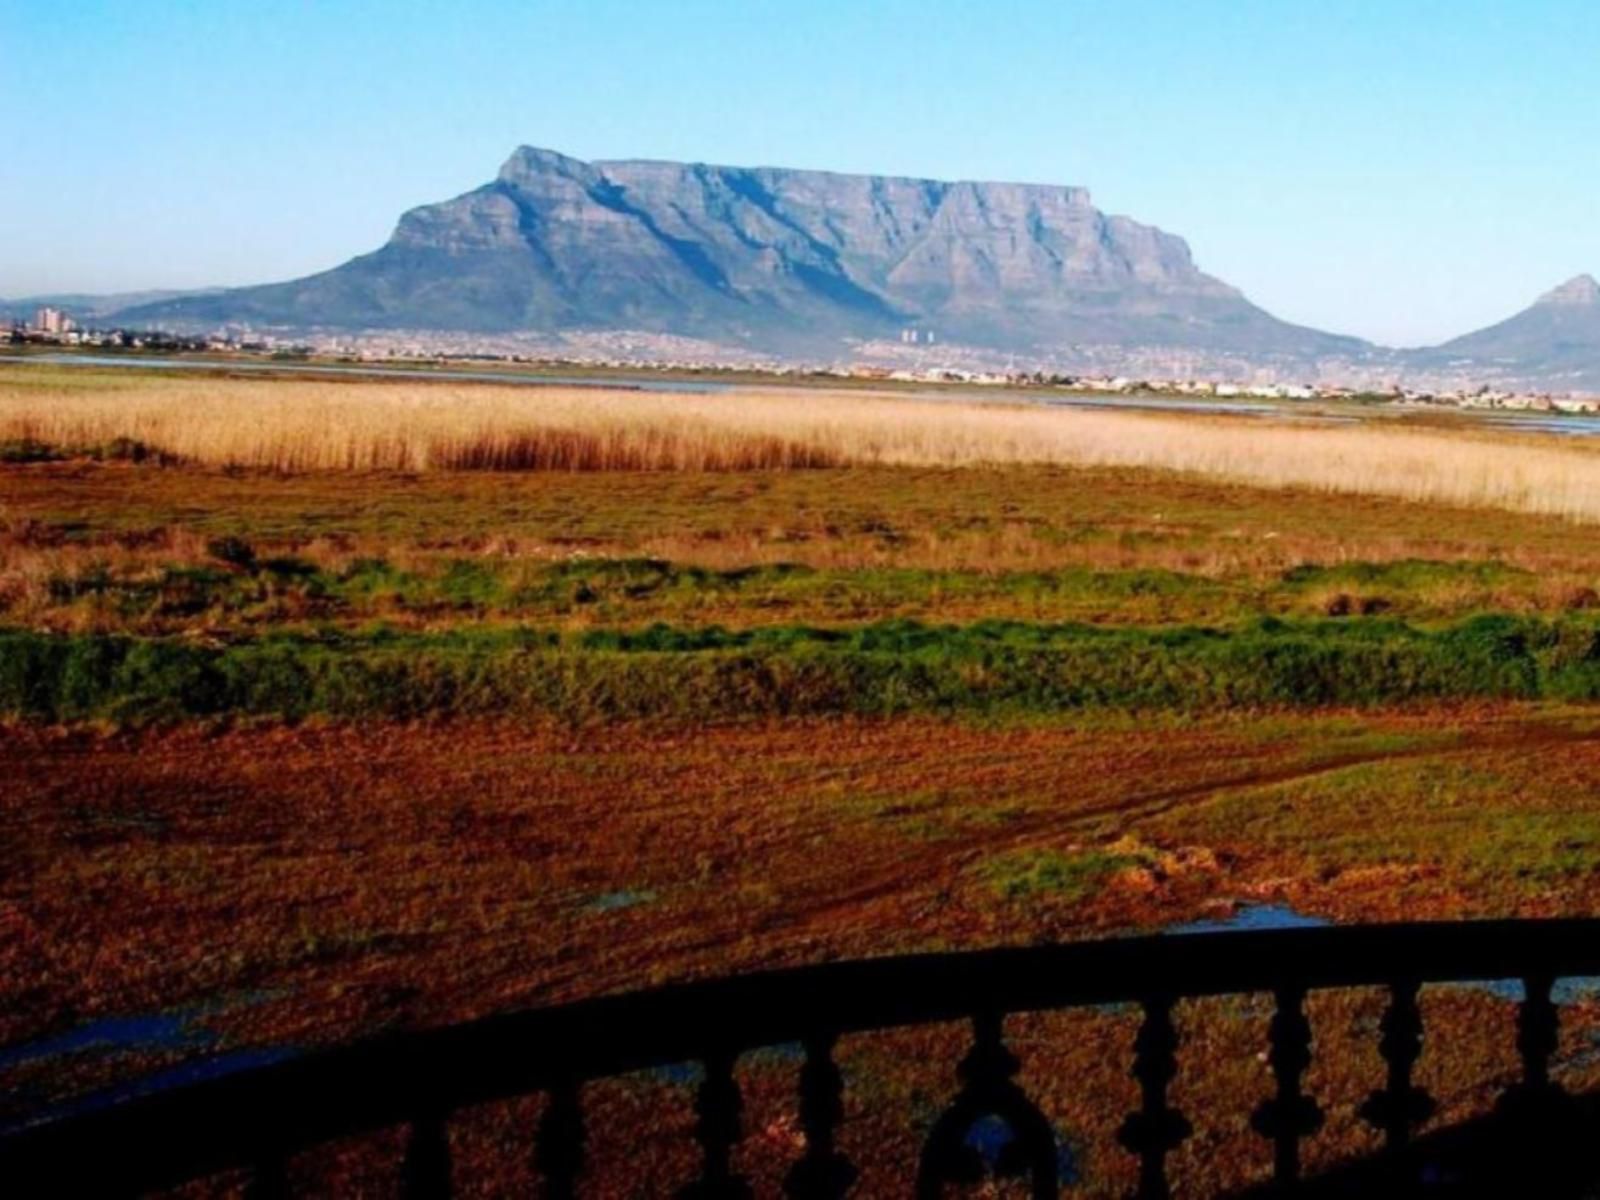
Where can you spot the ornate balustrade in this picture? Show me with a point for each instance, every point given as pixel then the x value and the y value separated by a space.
pixel 259 1118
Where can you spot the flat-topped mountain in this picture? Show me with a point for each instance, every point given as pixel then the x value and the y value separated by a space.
pixel 1555 341
pixel 768 258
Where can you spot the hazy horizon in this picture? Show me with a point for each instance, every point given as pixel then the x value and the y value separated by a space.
pixel 1404 176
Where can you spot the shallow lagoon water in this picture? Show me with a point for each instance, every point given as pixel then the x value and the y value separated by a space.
pixel 1252 917
pixel 644 383
pixel 990 1136
pixel 616 901
pixel 143 1033
pixel 1574 990
pixel 155 1031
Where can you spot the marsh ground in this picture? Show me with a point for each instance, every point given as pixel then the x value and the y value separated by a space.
pixel 90 545
pixel 295 886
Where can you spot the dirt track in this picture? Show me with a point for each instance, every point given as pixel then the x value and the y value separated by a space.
pixel 426 871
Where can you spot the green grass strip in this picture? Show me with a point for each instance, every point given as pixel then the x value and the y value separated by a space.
pixel 886 667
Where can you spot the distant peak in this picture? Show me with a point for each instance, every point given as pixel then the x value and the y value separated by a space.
pixel 1581 289
pixel 531 160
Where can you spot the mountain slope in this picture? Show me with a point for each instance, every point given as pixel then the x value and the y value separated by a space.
pixel 770 258
pixel 85 306
pixel 1556 341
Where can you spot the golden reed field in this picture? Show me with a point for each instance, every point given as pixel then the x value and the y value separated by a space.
pixel 300 426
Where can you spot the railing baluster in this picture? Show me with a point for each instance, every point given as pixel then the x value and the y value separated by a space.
pixel 1156 1129
pixel 426 1172
pixel 1538 1032
pixel 822 1173
pixel 1543 1120
pixel 1291 1114
pixel 1399 1106
pixel 560 1142
pixel 718 1131
pixel 1535 1098
pixel 989 1090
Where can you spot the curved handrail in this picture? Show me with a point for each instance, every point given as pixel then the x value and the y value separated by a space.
pixel 264 1113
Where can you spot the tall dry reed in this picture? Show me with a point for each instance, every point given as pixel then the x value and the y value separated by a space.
pixel 308 426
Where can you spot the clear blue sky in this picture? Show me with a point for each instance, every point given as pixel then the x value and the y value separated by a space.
pixel 1401 169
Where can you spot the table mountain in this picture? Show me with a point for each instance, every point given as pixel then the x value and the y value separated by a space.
pixel 785 260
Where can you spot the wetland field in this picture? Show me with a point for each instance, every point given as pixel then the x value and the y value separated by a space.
pixel 337 707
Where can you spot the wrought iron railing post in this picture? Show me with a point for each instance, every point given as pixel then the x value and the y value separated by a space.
pixel 822 1172
pixel 1157 1128
pixel 1535 1097
pixel 1538 1032
pixel 988 1089
pixel 559 1143
pixel 718 1107
pixel 1291 1114
pixel 1542 1116
pixel 425 1174
pixel 1399 1106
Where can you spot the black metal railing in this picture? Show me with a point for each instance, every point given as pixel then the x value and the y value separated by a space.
pixel 258 1119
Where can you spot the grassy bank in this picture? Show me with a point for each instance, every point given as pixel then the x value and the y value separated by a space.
pixel 882 668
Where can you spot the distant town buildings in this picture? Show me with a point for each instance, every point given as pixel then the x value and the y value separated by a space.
pixel 909 359
pixel 50 326
pixel 52 320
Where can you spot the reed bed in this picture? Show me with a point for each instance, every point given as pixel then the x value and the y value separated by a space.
pixel 314 426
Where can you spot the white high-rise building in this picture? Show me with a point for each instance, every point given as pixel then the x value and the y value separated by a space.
pixel 52 320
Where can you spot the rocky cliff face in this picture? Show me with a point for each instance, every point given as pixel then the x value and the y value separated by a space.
pixel 776 259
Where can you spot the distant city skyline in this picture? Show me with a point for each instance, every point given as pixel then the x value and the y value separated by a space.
pixel 1403 172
